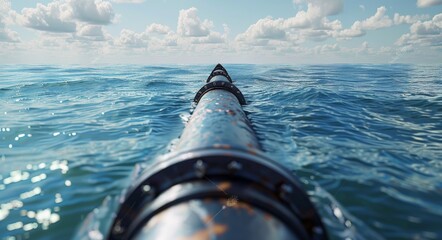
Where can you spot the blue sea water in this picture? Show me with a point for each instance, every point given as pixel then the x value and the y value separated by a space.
pixel 366 140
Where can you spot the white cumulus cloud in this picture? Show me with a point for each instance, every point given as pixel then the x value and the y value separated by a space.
pixel 432 27
pixel 428 3
pixel 427 33
pixel 311 24
pixel 92 33
pixel 79 26
pixel 54 17
pixel 93 11
pixel 131 39
pixel 7 35
pixel 407 19
pixel 315 16
pixel 189 24
pixel 359 28
pixel 158 28
pixel 191 30
pixel 321 49
pixel 6 15
pixel 325 7
pixel 192 34
pixel 64 15
pixel 264 29
pixel 213 37
pixel 322 8
pixel 379 20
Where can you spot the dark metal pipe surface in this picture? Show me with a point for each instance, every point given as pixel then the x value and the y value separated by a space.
pixel 218 121
pixel 217 183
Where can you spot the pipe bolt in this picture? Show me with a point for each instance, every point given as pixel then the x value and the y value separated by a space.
pixel 118 229
pixel 200 168
pixel 234 166
pixel 285 191
pixel 148 190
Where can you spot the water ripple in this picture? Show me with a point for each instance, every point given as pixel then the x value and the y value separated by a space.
pixel 366 140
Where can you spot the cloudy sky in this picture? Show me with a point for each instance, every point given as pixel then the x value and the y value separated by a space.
pixel 198 31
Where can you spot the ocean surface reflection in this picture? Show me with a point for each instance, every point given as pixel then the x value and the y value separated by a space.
pixel 366 141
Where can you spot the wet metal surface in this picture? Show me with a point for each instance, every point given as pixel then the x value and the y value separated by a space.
pixel 216 183
pixel 218 122
pixel 214 219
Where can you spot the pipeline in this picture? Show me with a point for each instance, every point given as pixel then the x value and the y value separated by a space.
pixel 217 183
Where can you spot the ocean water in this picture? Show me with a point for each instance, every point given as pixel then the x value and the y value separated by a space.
pixel 366 140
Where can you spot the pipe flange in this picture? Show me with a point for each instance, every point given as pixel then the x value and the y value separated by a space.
pixel 219 70
pixel 220 85
pixel 203 189
pixel 216 164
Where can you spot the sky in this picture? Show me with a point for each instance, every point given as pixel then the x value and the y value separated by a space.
pixel 207 32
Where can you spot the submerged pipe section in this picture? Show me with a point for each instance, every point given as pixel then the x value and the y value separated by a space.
pixel 217 183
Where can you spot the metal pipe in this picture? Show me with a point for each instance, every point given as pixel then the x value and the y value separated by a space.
pixel 217 183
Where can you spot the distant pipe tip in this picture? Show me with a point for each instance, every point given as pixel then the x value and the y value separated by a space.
pixel 219 70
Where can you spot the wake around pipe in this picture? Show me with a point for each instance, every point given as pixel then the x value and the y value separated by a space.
pixel 217 183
